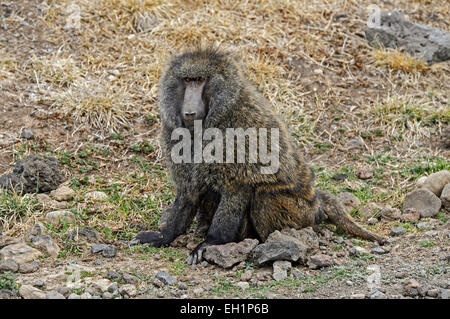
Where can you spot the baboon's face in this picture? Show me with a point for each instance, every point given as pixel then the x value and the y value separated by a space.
pixel 193 105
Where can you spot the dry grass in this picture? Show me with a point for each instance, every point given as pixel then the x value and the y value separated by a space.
pixel 399 60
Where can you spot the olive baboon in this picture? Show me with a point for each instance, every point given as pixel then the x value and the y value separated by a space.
pixel 236 199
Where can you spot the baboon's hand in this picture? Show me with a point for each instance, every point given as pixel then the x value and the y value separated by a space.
pixel 196 255
pixel 150 237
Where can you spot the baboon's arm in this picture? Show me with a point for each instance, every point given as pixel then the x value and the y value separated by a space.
pixel 226 223
pixel 179 216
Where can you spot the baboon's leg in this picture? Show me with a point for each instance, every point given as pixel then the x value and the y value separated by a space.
pixel 276 211
pixel 226 225
pixel 178 217
pixel 206 209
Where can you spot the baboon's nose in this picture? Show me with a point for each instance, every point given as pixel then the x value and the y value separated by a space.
pixel 190 115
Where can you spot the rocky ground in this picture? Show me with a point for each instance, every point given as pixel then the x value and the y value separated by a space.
pixel 372 123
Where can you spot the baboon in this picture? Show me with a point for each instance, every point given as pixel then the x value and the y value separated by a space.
pixel 236 199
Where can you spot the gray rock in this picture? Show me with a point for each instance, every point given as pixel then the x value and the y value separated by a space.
pixel 280 268
pixel 445 197
pixel 47 203
pixel 7 240
pixel 39 283
pixel 389 213
pixel 182 286
pixel 27 134
pixel 376 294
pixel 358 296
pixel 98 248
pixel 372 221
pixel 410 215
pixel 86 233
pixel 411 288
pixel 20 253
pixel 97 262
pixel 423 225
pixel 9 265
pixel 243 285
pixel 436 182
pixel 298 274
pixel 26 268
pixel 284 250
pixel 33 174
pixel 305 237
pixel 348 201
pixel 8 294
pixel 112 288
pixel 65 291
pixel 229 254
pixel 53 294
pixel 74 296
pixel 378 251
pixel 30 292
pixel 129 279
pixel 166 278
pixel 445 293
pixel 397 231
pixel 109 251
pixel 425 42
pixel 434 293
pixel 59 216
pixel 107 295
pixel 319 261
pixel 128 290
pixel 112 274
pixel 424 201
pixel 85 295
pixel 47 244
pixel 35 230
pixel 354 143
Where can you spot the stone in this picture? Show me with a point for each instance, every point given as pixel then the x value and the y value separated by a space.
pixel 297 273
pixel 97 262
pixel 113 287
pixel 27 134
pixel 47 203
pixel 39 283
pixel 376 294
pixel 85 295
pixel 243 285
pixel 354 143
pixel 229 254
pixel 280 268
pixel 445 197
pixel 357 250
pixel 113 275
pixel 63 193
pixel 166 278
pixel 424 201
pixel 47 244
pixel 30 292
pixel 370 210
pixel 391 214
pixel 306 237
pixel 98 248
pixel 27 268
pixel 53 294
pixel 86 233
pixel 33 174
pixel 378 251
pixel 247 275
pixel 9 265
pixel 284 250
pixel 364 174
pixel 436 182
pixel 411 287
pixel 109 251
pixel 348 201
pixel 129 279
pixel 424 42
pixel 7 240
pixel 107 295
pixel 101 285
pixel 410 215
pixel 372 221
pixel 319 261
pixel 128 290
pixel 96 196
pixel 20 253
pixel 35 230
pixel 423 225
pixel 59 216
pixel 397 231
pixel 434 293
pixel 358 296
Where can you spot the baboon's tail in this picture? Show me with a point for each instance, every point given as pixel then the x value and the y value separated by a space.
pixel 336 213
